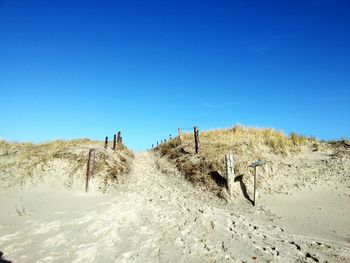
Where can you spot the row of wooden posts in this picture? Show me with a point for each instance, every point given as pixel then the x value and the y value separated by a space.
pixel 229 160
pixel 116 140
pixel 91 160
pixel 161 142
pixel 196 139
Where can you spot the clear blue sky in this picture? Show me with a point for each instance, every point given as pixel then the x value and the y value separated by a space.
pixel 73 69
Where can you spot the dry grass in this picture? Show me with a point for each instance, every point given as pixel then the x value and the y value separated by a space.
pixel 246 143
pixel 22 163
pixel 216 142
pixel 31 155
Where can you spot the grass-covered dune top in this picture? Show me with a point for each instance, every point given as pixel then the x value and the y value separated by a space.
pixel 285 156
pixel 61 164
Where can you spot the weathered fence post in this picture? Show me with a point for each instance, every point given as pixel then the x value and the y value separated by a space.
pixel 196 139
pixel 255 165
pixel 90 168
pixel 119 139
pixel 230 175
pixel 254 186
pixel 106 142
pixel 180 136
pixel 114 141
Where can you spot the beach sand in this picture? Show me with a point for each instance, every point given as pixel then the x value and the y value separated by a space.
pixel 158 216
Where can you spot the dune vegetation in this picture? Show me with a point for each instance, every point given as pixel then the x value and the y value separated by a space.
pixel 283 155
pixel 63 163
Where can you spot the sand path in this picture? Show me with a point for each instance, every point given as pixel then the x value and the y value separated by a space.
pixel 156 217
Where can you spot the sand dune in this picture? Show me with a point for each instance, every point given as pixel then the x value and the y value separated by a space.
pixel 61 164
pixel 158 216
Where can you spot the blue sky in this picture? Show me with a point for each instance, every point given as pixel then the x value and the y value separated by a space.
pixel 73 69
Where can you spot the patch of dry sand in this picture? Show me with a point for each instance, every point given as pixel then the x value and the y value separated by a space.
pixel 322 212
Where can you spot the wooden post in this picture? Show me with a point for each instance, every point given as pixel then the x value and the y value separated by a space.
pixel 90 168
pixel 230 176
pixel 255 165
pixel 180 135
pixel 106 142
pixel 196 139
pixel 254 185
pixel 119 139
pixel 114 141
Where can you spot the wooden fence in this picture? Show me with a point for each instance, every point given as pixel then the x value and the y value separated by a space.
pixel 229 162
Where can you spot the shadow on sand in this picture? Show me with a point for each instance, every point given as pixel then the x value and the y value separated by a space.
pixel 218 178
pixel 222 182
pixel 239 179
pixel 2 260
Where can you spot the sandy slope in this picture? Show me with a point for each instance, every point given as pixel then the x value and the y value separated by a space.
pixel 62 164
pixel 157 216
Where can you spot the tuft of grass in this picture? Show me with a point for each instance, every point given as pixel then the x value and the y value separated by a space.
pixel 299 139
